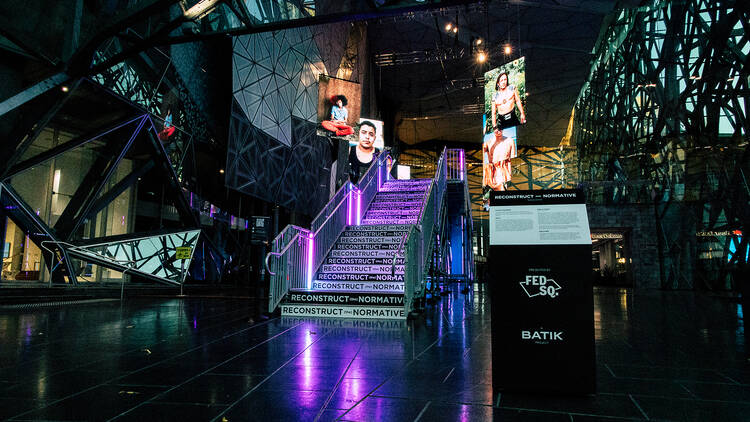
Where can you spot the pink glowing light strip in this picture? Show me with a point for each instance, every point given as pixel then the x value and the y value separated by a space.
pixel 359 207
pixel 349 209
pixel 310 249
pixel 461 164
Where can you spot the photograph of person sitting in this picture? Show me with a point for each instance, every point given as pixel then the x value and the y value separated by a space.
pixel 504 100
pixel 362 154
pixel 498 151
pixel 168 129
pixel 339 115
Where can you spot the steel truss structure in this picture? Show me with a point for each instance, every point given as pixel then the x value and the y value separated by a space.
pixel 534 168
pixel 62 243
pixel 662 120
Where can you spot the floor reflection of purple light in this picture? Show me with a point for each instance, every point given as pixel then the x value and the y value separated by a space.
pixel 465 417
pixel 306 380
pixel 352 393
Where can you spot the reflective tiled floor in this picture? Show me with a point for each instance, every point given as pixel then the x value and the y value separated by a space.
pixel 660 356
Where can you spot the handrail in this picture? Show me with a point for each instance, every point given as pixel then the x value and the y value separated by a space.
pixel 301 259
pixel 331 214
pixel 417 243
pixel 401 245
pixel 291 242
pixel 75 248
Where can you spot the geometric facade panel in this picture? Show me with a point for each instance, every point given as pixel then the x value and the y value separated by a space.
pixel 154 256
pixel 275 77
pixel 295 176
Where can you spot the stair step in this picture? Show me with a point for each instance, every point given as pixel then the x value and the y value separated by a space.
pixel 407 181
pixel 359 269
pixel 406 189
pixel 384 240
pixel 390 221
pixel 395 205
pixel 359 277
pixel 365 286
pixel 392 247
pixel 375 227
pixel 338 298
pixel 363 261
pixel 371 233
pixel 393 212
pixel 343 311
pixel 398 196
pixel 362 253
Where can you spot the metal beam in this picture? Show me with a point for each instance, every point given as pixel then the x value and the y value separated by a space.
pixel 27 139
pixel 63 148
pixel 37 231
pixel 32 92
pixel 162 158
pixel 95 180
pixel 118 189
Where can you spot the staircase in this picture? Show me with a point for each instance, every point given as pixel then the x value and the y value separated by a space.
pixel 356 279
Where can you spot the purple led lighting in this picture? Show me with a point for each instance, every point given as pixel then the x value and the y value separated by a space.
pixel 463 251
pixel 191 199
pixel 349 209
pixel 359 207
pixel 310 249
pixel 461 164
pixel 379 178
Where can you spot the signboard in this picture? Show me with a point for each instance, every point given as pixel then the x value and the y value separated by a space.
pixel 551 217
pixel 183 252
pixel 259 227
pixel 542 302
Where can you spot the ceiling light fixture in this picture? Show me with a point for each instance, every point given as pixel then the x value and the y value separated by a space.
pixel 481 57
pixel 455 29
pixel 507 49
pixel 221 171
pixel 64 88
pixel 448 26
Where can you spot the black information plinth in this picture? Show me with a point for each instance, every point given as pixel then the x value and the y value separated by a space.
pixel 540 283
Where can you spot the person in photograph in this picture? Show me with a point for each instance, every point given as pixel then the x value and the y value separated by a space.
pixel 504 101
pixel 498 151
pixel 168 129
pixel 362 154
pixel 338 118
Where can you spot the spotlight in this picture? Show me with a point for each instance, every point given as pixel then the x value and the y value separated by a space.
pixel 455 29
pixel 448 26
pixel 221 171
pixel 478 41
pixel 481 57
pixel 507 49
pixel 64 88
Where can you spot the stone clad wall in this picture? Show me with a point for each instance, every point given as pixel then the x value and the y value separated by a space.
pixel 639 219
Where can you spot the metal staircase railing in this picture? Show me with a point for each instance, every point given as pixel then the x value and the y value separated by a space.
pixel 298 252
pixel 419 243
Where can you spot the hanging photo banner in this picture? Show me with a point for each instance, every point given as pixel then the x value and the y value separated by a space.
pixel 504 111
pixel 339 106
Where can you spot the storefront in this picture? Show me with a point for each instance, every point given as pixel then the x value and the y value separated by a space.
pixel 611 259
